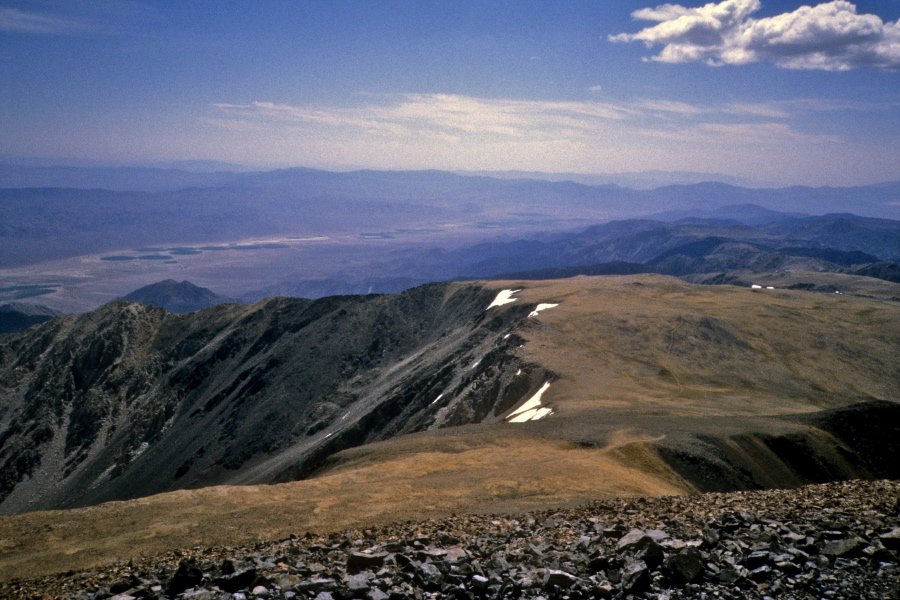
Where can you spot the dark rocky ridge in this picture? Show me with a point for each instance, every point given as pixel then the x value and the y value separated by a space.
pixel 130 400
pixel 838 541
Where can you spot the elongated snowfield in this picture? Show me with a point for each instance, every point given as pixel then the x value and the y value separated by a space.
pixel 532 409
pixel 504 297
pixel 541 307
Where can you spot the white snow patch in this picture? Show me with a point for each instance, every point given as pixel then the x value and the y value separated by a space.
pixel 541 413
pixel 756 287
pixel 535 414
pixel 436 399
pixel 475 364
pixel 328 435
pixel 532 403
pixel 769 287
pixel 542 306
pixel 504 297
pixel 519 372
pixel 506 336
pixel 522 417
pixel 345 416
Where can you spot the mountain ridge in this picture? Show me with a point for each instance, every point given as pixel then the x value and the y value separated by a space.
pixel 131 400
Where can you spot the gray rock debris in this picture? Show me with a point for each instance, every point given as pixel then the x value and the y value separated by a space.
pixel 835 541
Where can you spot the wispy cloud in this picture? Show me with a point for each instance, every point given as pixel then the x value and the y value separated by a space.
pixel 18 21
pixel 456 118
pixel 446 115
pixel 831 36
pixel 65 17
pixel 797 138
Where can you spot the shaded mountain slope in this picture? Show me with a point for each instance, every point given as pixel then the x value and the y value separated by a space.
pixel 130 400
pixel 16 316
pixel 176 297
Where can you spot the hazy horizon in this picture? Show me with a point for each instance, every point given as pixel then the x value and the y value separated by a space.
pixel 768 90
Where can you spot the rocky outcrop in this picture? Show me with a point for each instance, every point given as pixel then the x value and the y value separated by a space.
pixel 130 400
pixel 837 541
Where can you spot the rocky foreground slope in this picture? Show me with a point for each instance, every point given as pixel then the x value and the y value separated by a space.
pixel 837 541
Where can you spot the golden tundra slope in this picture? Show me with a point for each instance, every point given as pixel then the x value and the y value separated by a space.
pixel 655 342
pixel 635 363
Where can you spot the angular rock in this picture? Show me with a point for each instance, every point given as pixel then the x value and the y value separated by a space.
pixel 559 579
pixel 761 574
pixel 844 548
pixel 633 540
pixel 756 559
pixel 237 581
pixel 429 576
pixel 358 585
pixel 636 577
pixel 316 586
pixel 361 561
pixel 685 566
pixel 891 539
pixel 187 576
pixel 652 554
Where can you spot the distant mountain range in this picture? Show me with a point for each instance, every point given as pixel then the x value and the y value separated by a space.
pixel 54 213
pixel 184 174
pixel 832 243
pixel 177 297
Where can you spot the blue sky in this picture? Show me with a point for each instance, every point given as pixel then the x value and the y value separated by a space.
pixel 765 89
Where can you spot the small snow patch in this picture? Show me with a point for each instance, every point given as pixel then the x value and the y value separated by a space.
pixel 436 399
pixel 504 297
pixel 769 287
pixel 541 307
pixel 328 435
pixel 756 287
pixel 535 414
pixel 475 364
pixel 532 409
pixel 519 372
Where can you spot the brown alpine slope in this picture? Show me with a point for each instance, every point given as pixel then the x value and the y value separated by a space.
pixel 656 387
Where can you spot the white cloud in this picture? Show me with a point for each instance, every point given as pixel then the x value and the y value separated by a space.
pixel 502 133
pixel 15 20
pixel 831 36
pixel 447 116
